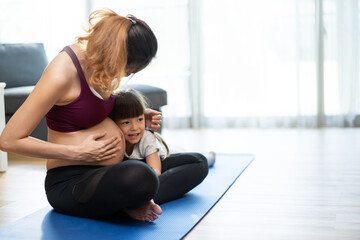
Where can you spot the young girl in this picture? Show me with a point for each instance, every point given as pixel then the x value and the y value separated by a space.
pixel 141 144
pixel 178 173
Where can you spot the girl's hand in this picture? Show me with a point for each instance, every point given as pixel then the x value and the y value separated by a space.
pixel 153 119
pixel 94 150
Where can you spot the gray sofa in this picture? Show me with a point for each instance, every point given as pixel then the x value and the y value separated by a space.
pixel 21 66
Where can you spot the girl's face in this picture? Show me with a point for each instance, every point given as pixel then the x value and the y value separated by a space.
pixel 132 128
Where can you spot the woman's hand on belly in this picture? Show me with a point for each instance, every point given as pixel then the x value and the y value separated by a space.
pixel 95 149
pixel 102 144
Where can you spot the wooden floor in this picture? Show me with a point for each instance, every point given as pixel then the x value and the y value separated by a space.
pixel 303 184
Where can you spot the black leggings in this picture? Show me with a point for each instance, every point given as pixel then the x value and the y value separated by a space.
pixel 101 191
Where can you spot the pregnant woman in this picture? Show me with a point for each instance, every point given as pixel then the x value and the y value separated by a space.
pixel 86 174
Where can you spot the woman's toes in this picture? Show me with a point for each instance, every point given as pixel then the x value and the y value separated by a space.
pixel 155 208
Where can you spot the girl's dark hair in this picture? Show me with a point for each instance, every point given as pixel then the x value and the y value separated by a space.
pixel 129 103
pixel 139 53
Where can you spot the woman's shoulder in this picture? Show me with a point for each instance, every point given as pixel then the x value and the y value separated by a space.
pixel 60 71
pixel 63 64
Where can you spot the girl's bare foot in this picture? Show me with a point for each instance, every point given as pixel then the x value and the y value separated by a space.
pixel 147 212
pixel 211 156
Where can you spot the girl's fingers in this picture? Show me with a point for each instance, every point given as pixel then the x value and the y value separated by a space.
pixel 157 122
pixel 156 119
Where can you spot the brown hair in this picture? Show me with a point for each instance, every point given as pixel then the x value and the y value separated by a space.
pixel 130 103
pixel 113 47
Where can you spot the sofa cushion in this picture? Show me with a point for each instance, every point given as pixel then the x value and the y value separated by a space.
pixel 156 97
pixel 22 64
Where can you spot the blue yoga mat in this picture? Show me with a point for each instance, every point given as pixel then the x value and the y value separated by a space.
pixel 179 217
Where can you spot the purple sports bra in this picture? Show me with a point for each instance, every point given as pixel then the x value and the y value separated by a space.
pixel 85 111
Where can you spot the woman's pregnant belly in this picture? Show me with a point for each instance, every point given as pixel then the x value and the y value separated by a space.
pixel 75 138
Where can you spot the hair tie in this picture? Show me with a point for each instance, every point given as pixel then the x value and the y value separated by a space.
pixel 132 20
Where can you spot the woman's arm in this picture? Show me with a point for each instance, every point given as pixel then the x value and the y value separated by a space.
pixel 154 161
pixel 54 87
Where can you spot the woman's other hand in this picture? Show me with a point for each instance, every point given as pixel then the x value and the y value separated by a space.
pixel 92 149
pixel 153 119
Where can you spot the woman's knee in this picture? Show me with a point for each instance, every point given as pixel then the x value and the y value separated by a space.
pixel 135 176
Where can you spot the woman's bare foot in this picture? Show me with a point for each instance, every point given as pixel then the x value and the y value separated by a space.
pixel 147 212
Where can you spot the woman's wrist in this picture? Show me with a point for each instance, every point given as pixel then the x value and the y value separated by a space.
pixel 73 153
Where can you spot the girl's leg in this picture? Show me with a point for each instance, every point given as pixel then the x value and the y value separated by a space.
pixel 100 191
pixel 181 172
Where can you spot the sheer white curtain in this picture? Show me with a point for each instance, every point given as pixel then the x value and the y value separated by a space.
pixel 261 63
pixel 341 70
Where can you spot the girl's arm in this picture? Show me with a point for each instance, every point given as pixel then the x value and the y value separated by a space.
pixel 154 161
pixel 54 87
